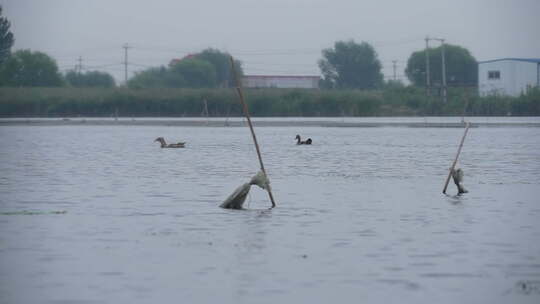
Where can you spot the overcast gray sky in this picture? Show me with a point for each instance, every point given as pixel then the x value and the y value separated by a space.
pixel 268 36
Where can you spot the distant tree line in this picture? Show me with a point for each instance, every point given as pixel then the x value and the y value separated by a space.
pixel 347 65
pixel 352 84
pixel 210 68
pixel 179 102
pixel 26 68
pixel 89 79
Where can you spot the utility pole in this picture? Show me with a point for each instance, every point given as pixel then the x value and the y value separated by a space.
pixel 394 66
pixel 428 88
pixel 443 69
pixel 126 47
pixel 79 66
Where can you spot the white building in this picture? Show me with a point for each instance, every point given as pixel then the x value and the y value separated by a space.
pixel 276 81
pixel 508 76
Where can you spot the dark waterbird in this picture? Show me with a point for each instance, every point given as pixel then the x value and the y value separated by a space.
pixel 299 141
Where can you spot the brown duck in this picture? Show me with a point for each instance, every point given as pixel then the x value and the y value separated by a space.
pixel 164 144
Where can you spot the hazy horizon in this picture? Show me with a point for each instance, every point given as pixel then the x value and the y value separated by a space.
pixel 283 37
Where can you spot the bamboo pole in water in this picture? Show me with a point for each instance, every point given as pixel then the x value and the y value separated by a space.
pixel 246 113
pixel 205 110
pixel 465 107
pixel 456 159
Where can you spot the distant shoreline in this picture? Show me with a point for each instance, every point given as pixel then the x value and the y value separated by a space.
pixel 200 103
pixel 261 122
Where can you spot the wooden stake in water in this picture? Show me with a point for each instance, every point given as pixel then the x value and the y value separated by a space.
pixel 465 107
pixel 456 159
pixel 246 113
pixel 205 111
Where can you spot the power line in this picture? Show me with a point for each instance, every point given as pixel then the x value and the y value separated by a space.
pixel 397 76
pixel 409 40
pixel 279 71
pixel 141 65
pixel 256 65
pixel 280 64
pixel 102 65
pixel 161 49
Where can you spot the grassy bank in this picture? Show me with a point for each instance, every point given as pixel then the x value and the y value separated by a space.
pixel 408 101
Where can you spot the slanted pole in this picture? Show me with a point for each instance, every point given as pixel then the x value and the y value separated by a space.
pixel 456 159
pixel 246 113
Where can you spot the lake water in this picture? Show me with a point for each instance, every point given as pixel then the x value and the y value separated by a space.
pixel 101 214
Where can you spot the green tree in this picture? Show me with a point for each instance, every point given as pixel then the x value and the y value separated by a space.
pixel 151 78
pixel 31 69
pixel 209 68
pixel 351 65
pixel 160 77
pixel 461 66
pixel 90 79
pixel 6 38
pixel 528 103
pixel 222 64
pixel 197 73
pixel 393 84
